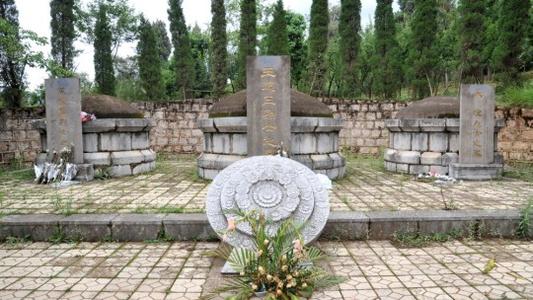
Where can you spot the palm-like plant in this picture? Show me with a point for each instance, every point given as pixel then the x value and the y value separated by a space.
pixel 279 266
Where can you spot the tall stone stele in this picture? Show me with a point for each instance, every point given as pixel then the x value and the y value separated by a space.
pixel 476 135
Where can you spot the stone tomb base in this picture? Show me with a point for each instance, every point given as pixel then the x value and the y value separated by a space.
pixel 476 171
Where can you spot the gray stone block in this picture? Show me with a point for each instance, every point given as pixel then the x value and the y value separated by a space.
pixel 346 226
pixel 326 142
pixel 126 157
pixel 498 223
pixel 100 125
pixel 449 158
pixel 304 124
pixel 452 125
pixel 389 154
pixel 87 227
pixel 303 143
pixel 402 141
pixel 143 168
pixel 304 159
pixel 208 142
pixel 221 143
pixel 476 171
pixel 432 125
pixel 498 158
pixel 410 125
pixel 90 142
pixel 208 173
pixel 402 168
pixel 390 166
pixel 431 158
pixel 188 227
pixel 206 125
pixel 37 227
pixel 393 125
pixel 230 124
pixel 407 157
pixel 115 141
pixel 338 160
pixel 85 172
pixel 335 173
pixel 420 142
pixel 97 158
pixel 148 155
pixel 439 170
pixel 383 224
pixel 418 169
pixel 120 170
pixel 140 141
pixel 438 142
pixel 238 144
pixel 328 125
pixel 454 142
pixel 132 125
pixel 322 161
pixel 136 227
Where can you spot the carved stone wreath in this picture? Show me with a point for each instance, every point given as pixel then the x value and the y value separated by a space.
pixel 279 187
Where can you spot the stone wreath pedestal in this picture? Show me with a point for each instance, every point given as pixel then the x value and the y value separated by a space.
pixel 121 147
pixel 426 145
pixel 314 143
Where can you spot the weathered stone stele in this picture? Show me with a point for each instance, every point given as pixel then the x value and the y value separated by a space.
pixel 268 104
pixel 63 123
pixel 279 187
pixel 476 132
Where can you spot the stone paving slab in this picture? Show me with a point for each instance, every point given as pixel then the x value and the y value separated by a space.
pixel 181 270
pixel 174 188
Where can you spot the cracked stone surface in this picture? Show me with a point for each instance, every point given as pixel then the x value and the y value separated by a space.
pixel 373 270
pixel 174 187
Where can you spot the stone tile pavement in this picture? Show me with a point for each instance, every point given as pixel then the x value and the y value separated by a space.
pixel 181 270
pixel 174 187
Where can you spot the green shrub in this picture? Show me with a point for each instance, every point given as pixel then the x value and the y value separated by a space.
pixel 518 96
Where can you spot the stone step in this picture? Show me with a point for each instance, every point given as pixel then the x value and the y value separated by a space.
pixel 376 225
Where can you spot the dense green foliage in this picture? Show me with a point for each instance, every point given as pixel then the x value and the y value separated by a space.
pixel 297 45
pixel 63 33
pixel 349 28
pixel 163 42
pixel 277 35
pixel 149 60
pixel 247 39
pixel 104 75
pixel 219 42
pixel 183 67
pixel 512 29
pixel 200 55
pixel 386 64
pixel 12 69
pixel 471 31
pixel 422 48
pixel 318 46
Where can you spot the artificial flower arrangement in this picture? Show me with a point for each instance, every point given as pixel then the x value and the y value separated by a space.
pixel 280 266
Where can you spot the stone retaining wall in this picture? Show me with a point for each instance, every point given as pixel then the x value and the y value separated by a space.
pixel 176 131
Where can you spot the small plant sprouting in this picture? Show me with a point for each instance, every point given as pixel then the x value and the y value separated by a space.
pixel 448 204
pixel 417 239
pixel 14 241
pixel 523 230
pixel 162 237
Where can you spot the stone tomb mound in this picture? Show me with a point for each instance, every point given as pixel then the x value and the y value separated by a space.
pixel 314 135
pixel 424 137
pixel 117 142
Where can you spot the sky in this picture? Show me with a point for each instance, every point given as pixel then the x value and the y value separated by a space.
pixel 34 15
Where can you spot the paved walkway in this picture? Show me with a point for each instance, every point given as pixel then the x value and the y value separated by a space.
pixel 373 269
pixel 174 187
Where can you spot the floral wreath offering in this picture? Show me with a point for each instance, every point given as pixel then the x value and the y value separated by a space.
pixel 279 266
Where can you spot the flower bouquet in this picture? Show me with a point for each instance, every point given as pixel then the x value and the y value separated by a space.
pixel 280 266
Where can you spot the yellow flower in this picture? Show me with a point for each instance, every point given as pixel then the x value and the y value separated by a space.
pixel 304 285
pixel 279 292
pixel 260 252
pixel 284 268
pixel 269 277
pixel 242 273
pixel 265 242
pixel 254 286
pixel 261 270
pixel 289 277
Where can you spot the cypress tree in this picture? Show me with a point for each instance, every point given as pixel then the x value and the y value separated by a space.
pixel 200 49
pixel 385 60
pixel 513 28
pixel 219 52
pixel 247 40
pixel 349 28
pixel 11 71
pixel 471 31
pixel 104 75
pixel 63 34
pixel 422 55
pixel 318 46
pixel 163 42
pixel 149 61
pixel 296 26
pixel 277 36
pixel 184 71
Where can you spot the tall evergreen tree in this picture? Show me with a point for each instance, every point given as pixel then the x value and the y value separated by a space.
pixel 386 64
pixel 219 42
pixel 104 75
pixel 11 70
pixel 63 33
pixel 163 42
pixel 513 28
pixel 422 52
pixel 200 50
pixel 277 36
pixel 247 39
pixel 349 43
pixel 149 60
pixel 471 31
pixel 182 49
pixel 296 26
pixel 318 46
